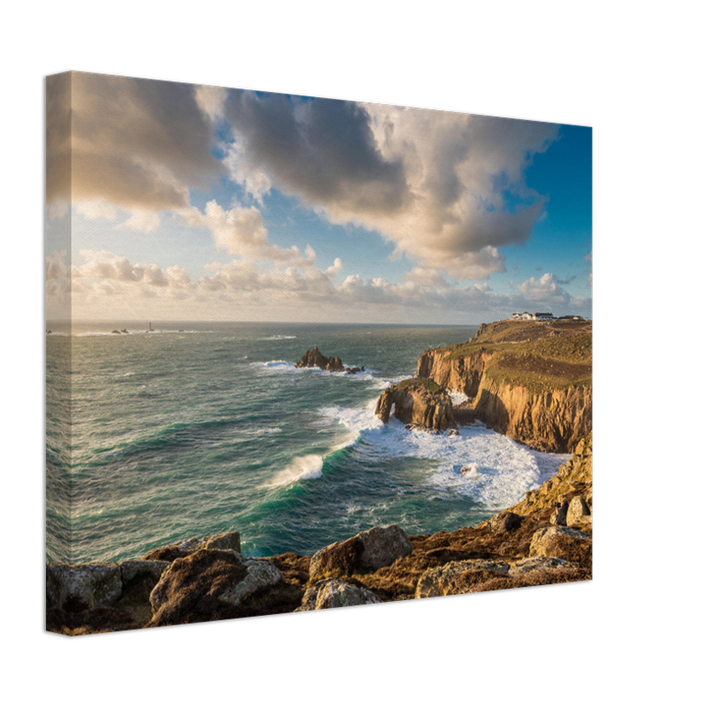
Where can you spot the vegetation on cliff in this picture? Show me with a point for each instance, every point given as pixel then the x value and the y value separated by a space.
pixel 541 356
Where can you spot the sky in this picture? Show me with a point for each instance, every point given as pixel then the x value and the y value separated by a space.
pixel 170 201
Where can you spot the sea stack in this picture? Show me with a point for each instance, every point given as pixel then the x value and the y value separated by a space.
pixel 312 358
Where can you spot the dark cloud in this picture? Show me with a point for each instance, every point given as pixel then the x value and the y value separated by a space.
pixel 322 150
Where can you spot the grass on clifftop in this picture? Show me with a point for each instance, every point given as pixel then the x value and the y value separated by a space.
pixel 541 356
pixel 429 384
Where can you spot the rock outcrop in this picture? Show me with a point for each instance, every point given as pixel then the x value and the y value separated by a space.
pixel 418 403
pixel 312 358
pixel 82 587
pixel 206 585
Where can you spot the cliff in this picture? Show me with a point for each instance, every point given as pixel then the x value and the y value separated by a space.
pixel 206 579
pixel 529 380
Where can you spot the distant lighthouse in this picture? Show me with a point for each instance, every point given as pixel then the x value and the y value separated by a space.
pixel 150 326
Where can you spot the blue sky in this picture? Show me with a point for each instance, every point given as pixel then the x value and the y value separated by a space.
pixel 193 202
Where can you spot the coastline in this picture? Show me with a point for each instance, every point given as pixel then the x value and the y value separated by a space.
pixel 206 579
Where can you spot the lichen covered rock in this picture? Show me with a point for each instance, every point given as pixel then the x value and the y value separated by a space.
pixel 334 593
pixel 81 587
pixel 458 577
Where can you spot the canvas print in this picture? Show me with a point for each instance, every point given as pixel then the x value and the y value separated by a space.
pixel 306 353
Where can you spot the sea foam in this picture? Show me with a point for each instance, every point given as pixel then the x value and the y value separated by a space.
pixel 479 464
pixel 304 467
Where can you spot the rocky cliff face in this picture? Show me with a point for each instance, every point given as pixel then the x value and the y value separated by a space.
pixel 417 405
pixel 462 373
pixel 551 421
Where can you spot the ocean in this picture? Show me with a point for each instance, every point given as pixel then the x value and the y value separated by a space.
pixel 202 427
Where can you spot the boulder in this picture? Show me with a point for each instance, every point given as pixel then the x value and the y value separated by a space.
pixel 369 550
pixel 334 593
pixel 576 510
pixel 81 587
pixel 562 542
pixel 205 584
pixel 505 522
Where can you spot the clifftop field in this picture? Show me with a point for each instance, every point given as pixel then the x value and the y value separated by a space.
pixel 539 355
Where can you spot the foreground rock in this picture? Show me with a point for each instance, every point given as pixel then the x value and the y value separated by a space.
pixel 470 576
pixel 566 543
pixel 207 585
pixel 419 403
pixel 220 541
pixel 312 358
pixel 335 593
pixel 82 587
pixel 369 550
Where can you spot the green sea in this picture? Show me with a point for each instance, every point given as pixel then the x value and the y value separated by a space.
pixel 197 428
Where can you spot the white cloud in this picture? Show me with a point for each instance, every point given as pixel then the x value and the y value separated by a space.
pixel 542 289
pixel 240 231
pixel 112 268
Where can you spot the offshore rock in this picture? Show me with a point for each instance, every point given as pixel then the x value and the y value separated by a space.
pixel 312 358
pixel 418 403
pixel 369 550
pixel 334 593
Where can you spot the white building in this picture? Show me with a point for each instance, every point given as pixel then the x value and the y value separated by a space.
pixel 543 316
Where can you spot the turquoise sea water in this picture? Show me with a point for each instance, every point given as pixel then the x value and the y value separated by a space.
pixel 177 434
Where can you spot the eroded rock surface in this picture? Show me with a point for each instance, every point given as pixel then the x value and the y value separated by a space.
pixel 81 587
pixel 334 593
pixel 418 404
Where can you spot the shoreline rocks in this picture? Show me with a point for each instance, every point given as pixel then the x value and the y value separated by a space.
pixel 207 579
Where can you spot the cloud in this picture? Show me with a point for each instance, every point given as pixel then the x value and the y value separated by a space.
pixel 114 268
pixel 136 144
pixel 436 184
pixel 542 288
pixel 321 150
pixel 240 231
